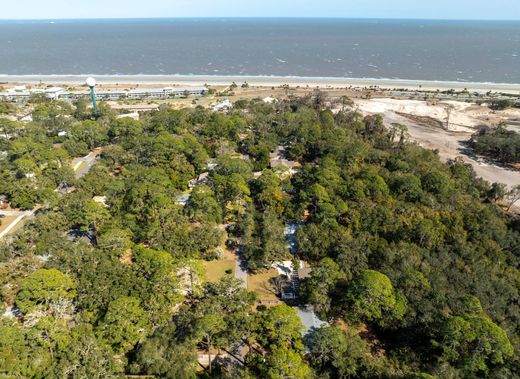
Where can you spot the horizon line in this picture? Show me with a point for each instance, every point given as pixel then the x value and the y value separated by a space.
pixel 256 17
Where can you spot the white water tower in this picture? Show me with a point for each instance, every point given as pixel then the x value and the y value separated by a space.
pixel 91 83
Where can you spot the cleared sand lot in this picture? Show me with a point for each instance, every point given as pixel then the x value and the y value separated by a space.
pixel 464 118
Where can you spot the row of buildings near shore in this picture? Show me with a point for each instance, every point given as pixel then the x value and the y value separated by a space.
pixel 21 93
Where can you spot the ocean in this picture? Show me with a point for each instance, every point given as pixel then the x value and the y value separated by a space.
pixel 464 51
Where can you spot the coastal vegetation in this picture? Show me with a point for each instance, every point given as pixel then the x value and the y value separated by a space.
pixel 502 104
pixel 414 265
pixel 499 143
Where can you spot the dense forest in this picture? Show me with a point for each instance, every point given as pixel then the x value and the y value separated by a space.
pixel 499 143
pixel 415 267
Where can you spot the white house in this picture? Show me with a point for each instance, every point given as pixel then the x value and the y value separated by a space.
pixel 224 105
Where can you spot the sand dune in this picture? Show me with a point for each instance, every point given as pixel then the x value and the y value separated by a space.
pixel 464 117
pixel 449 143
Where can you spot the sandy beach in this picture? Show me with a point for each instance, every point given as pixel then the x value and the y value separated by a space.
pixel 265 81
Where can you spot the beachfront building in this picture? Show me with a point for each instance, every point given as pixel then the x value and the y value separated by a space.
pixel 20 93
pixel 166 93
pixel 107 95
pixel 53 93
pixel 57 93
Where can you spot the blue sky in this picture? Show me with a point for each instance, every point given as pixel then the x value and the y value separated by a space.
pixel 436 9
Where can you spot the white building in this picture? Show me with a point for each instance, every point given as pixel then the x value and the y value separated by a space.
pixel 167 92
pixel 133 115
pixel 57 93
pixel 224 105
pixel 269 100
pixel 53 92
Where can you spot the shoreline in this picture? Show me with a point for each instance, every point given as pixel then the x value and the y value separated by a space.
pixel 268 81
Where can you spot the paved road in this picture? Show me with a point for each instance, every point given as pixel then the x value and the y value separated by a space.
pixel 83 165
pixel 21 215
pixel 11 213
pixel 240 270
pixel 309 319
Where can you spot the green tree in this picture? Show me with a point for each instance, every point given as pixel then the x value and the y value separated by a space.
pixel 125 128
pixel 114 240
pixel 85 357
pixel 264 240
pixel 216 317
pixel 319 287
pixel 497 192
pixel 436 182
pixel 372 298
pixel 26 166
pixel 164 355
pixel 15 360
pixel 343 354
pixel 281 363
pixel 232 188
pixel 124 324
pixel 281 326
pixel 207 328
pixel 202 205
pixel 159 272
pixel 267 191
pixel 92 133
pixel 408 187
pixel 474 342
pixel 51 334
pixel 43 289
pixel 84 213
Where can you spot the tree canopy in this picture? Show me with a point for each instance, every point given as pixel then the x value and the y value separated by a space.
pixel 410 261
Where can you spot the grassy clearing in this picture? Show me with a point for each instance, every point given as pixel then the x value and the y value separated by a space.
pixel 215 270
pixel 259 283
